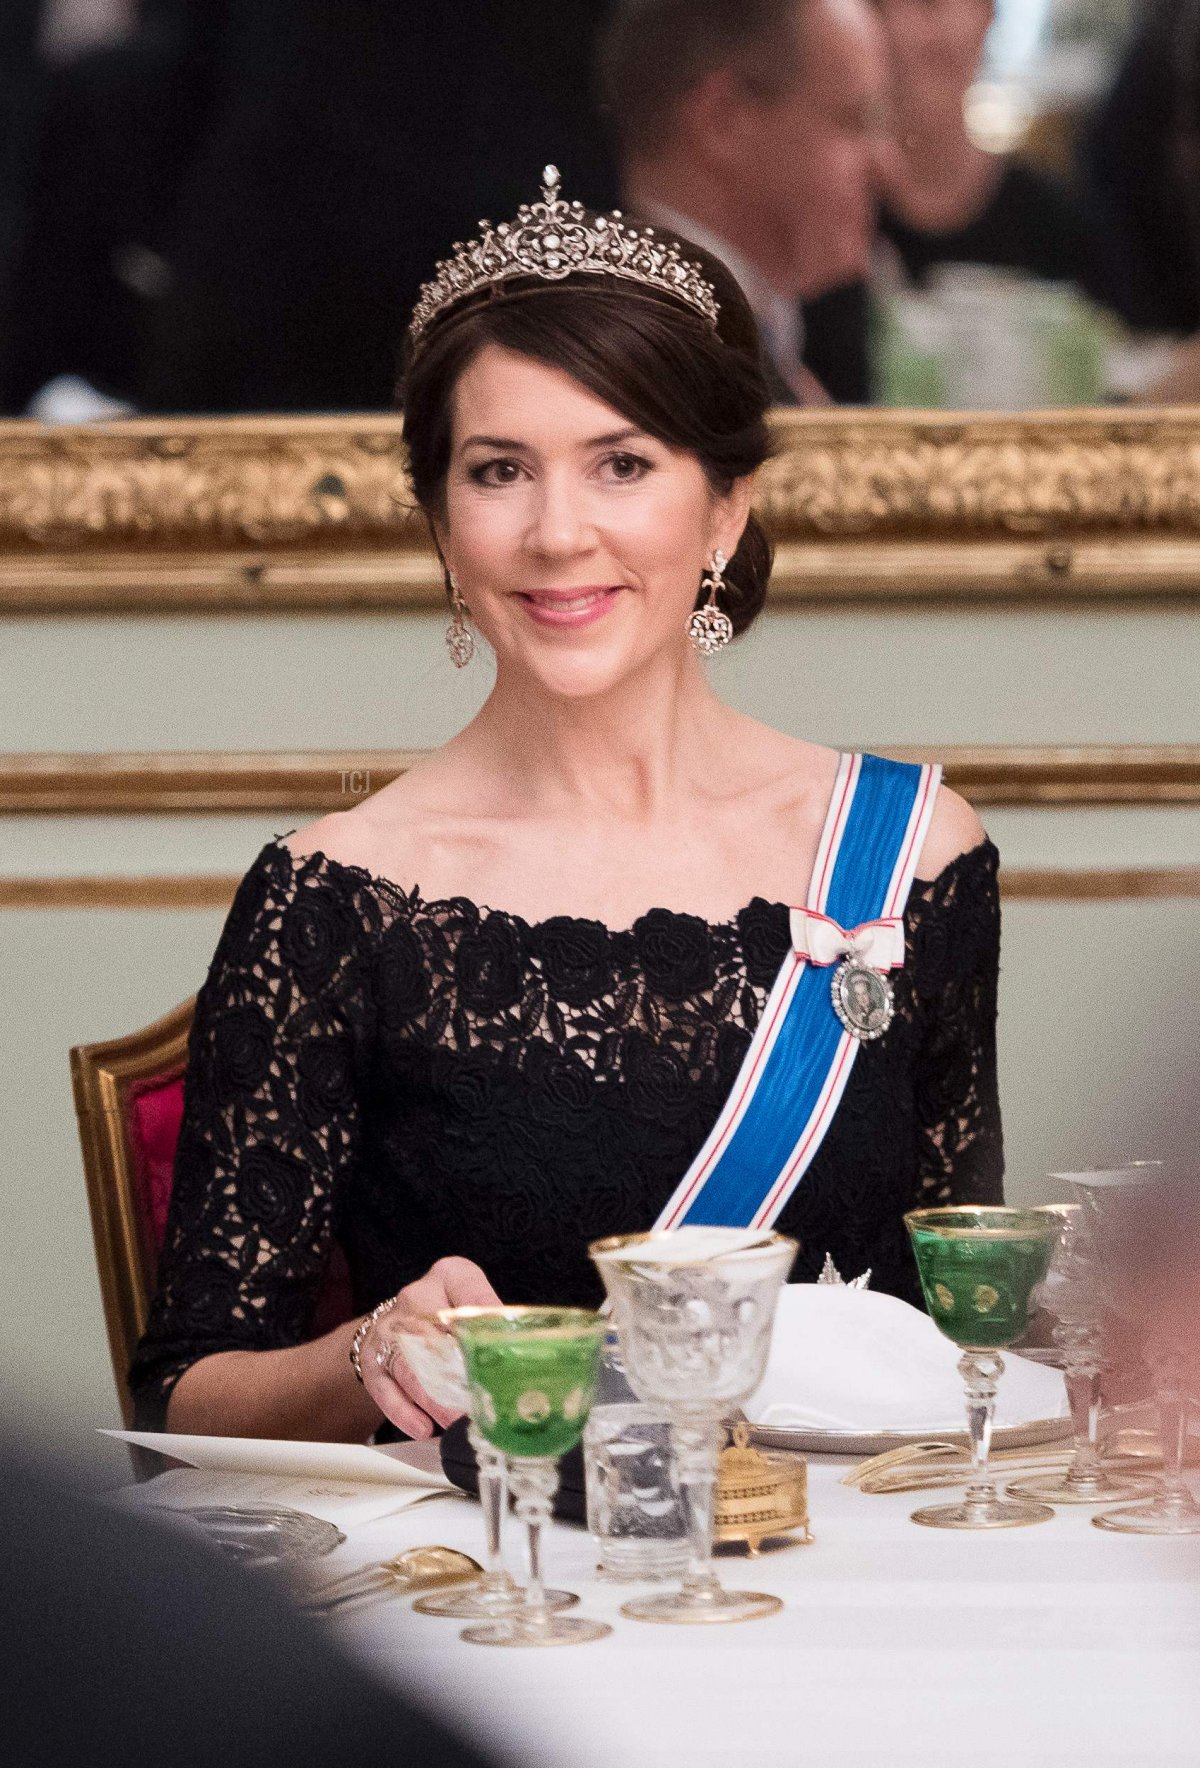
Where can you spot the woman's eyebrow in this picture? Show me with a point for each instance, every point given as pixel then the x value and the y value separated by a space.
pixel 629 434
pixel 491 442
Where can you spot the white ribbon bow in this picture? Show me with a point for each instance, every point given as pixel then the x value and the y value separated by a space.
pixel 876 945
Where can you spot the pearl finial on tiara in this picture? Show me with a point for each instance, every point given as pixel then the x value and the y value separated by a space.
pixel 554 239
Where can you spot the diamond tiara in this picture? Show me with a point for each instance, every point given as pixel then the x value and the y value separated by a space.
pixel 554 239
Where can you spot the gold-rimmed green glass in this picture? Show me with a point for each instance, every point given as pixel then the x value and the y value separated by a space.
pixel 434 1355
pixel 979 1268
pixel 531 1377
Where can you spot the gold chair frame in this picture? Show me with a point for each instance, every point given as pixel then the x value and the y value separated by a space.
pixel 101 1075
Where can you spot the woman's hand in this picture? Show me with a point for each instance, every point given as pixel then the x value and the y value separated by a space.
pixel 451 1283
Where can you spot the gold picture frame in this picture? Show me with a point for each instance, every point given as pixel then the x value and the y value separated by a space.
pixel 315 513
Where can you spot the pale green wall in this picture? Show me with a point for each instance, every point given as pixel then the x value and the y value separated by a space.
pixel 1009 675
pixel 1100 1006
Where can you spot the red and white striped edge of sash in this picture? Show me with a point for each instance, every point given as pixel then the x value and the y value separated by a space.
pixel 778 1001
pixel 830 1096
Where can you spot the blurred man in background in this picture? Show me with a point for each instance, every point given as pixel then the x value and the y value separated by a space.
pixel 1142 159
pixel 351 142
pixel 114 101
pixel 233 207
pixel 755 128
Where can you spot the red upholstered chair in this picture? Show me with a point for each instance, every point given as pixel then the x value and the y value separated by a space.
pixel 129 1102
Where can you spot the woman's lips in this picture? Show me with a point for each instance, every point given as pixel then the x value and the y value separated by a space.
pixel 570 608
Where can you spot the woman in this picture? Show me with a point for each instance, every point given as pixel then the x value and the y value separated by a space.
pixel 946 201
pixel 463 1096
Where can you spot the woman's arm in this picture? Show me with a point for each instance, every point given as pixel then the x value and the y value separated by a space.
pixel 306 1391
pixel 310 1390
pixel 270 1133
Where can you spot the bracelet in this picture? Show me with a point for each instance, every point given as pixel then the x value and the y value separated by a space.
pixel 360 1333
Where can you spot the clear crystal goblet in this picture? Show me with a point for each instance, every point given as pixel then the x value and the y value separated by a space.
pixel 1172 1510
pixel 1129 1208
pixel 695 1309
pixel 1072 1294
pixel 432 1352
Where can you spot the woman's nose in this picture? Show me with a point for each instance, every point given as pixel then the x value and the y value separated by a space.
pixel 560 523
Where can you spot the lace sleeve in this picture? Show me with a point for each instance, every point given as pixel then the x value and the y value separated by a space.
pixel 270 1127
pixel 956 935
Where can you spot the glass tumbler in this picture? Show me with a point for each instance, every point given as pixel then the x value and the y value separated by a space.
pixel 635 1508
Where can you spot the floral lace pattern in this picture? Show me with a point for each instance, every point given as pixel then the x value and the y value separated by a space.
pixel 415 1079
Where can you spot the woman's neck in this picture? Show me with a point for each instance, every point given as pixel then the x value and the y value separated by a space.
pixel 940 180
pixel 633 754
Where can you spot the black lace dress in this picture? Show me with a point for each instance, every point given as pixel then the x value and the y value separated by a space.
pixel 412 1079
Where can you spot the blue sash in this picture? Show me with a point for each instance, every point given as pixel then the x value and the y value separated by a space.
pixel 795 1072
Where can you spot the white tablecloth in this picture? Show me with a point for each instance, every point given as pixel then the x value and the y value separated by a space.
pixel 1055 1645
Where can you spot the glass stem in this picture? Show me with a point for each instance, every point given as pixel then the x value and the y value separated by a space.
pixel 697 1440
pixel 493 1495
pixel 981 1371
pixel 1081 1373
pixel 1173 1423
pixel 534 1484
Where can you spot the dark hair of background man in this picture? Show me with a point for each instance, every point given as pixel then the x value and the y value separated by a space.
pixel 654 52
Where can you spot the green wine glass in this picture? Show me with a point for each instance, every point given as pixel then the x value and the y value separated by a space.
pixel 979 1268
pixel 531 1376
pixel 433 1354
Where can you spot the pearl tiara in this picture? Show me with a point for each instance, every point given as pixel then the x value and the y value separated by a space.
pixel 554 239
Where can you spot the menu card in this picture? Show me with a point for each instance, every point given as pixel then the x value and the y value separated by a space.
pixel 345 1483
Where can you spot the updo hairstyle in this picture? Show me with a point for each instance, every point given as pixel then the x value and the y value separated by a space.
pixel 648 355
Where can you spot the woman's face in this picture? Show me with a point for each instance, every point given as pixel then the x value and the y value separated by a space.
pixel 936 45
pixel 578 542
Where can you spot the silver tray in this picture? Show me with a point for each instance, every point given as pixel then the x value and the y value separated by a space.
pixel 878 1442
pixel 257 1534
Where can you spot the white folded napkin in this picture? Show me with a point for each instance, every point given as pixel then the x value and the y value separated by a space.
pixel 688 1245
pixel 854 1360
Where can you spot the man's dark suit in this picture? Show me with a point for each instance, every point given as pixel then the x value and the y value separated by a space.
pixel 353 141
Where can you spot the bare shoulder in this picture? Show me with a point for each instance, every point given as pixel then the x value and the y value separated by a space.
pixel 341 836
pixel 370 834
pixel 954 829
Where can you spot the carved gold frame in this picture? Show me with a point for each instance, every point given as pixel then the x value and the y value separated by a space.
pixel 101 1075
pixel 283 514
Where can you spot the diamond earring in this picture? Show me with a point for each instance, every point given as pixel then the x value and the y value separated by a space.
pixel 709 628
pixel 460 641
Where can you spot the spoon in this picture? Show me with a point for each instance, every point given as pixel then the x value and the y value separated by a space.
pixel 414 1570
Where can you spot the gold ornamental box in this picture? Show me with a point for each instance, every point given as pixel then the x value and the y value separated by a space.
pixel 760 1497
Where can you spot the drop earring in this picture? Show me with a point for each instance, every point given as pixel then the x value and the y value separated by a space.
pixel 460 641
pixel 710 628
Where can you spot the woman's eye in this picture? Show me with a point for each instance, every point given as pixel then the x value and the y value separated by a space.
pixel 496 472
pixel 628 467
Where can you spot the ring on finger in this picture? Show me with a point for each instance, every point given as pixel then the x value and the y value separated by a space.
pixel 386 1357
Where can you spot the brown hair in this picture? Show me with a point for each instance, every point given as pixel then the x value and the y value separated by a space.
pixel 648 355
pixel 654 52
